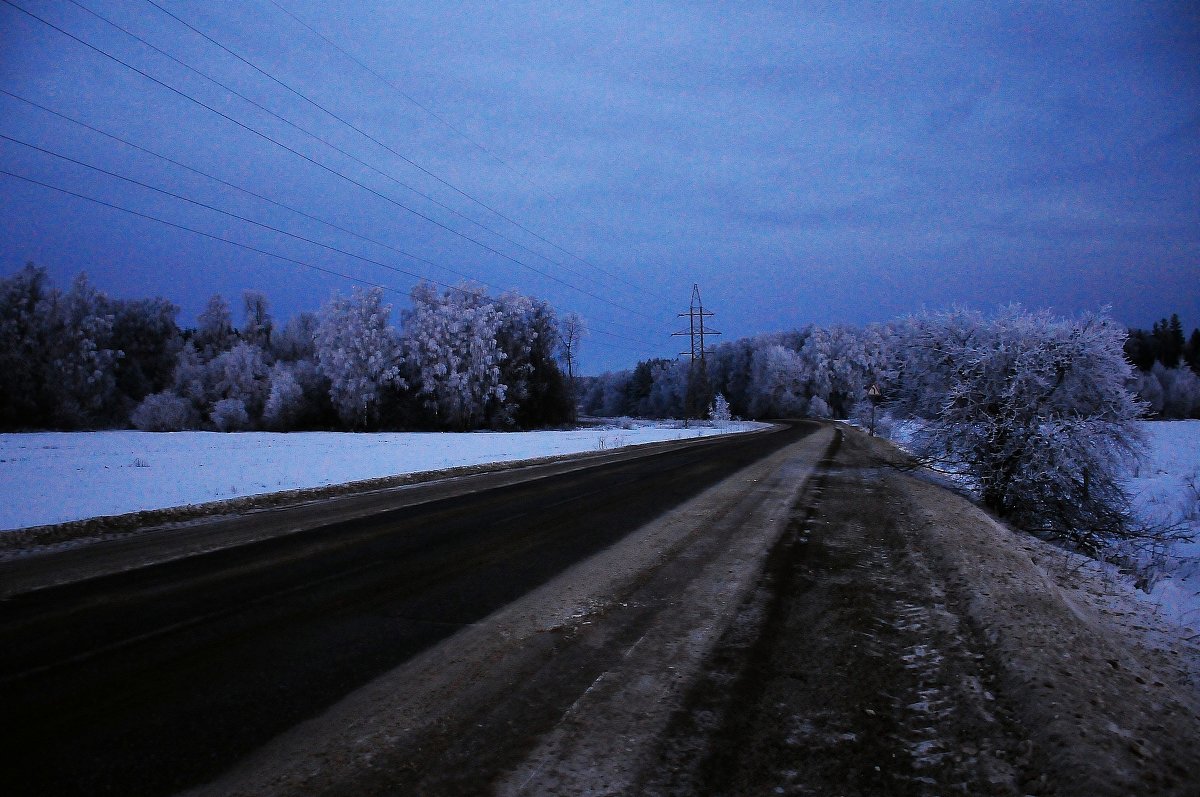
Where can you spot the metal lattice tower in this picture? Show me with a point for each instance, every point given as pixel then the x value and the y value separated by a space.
pixel 696 329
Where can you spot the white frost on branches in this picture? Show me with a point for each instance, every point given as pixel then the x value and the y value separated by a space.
pixel 451 356
pixel 358 352
pixel 1035 409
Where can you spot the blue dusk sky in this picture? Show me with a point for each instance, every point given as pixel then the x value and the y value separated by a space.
pixel 802 162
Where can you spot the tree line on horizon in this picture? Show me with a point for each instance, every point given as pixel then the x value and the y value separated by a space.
pixel 1037 412
pixel 460 360
pixel 824 372
pixel 1168 368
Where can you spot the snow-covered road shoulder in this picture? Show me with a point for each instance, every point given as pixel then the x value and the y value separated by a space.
pixel 57 477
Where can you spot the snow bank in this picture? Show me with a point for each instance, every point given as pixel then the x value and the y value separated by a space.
pixel 1166 490
pixel 54 477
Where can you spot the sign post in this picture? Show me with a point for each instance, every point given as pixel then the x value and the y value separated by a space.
pixel 875 395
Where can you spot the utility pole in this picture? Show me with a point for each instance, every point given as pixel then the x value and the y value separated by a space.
pixel 698 389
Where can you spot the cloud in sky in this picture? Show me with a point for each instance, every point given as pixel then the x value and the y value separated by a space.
pixel 802 162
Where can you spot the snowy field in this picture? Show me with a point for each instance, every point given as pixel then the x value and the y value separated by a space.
pixel 54 477
pixel 1166 490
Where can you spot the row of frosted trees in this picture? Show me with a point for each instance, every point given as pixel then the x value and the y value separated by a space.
pixel 461 359
pixel 815 372
pixel 1036 413
pixel 824 372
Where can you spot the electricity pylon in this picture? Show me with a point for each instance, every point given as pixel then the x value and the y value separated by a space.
pixel 699 392
pixel 696 330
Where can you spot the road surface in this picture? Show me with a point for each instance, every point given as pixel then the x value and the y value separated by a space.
pixel 160 677
pixel 794 613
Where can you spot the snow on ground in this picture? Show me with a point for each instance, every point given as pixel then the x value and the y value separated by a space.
pixel 1166 490
pixel 52 477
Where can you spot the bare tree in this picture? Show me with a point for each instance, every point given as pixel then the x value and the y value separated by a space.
pixel 571 332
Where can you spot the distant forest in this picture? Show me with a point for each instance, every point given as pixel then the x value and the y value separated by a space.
pixel 460 360
pixel 1168 365
pixel 824 372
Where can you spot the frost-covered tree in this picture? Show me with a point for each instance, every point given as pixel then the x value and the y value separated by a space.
pixel 451 357
pixel 214 328
pixel 671 382
pixel 720 409
pixel 57 355
pixel 242 374
pixel 164 412
pixel 777 383
pixel 194 380
pixel 257 324
pixel 230 415
pixel 1170 392
pixel 1150 390
pixel 285 405
pixel 80 356
pixel 817 360
pixel 358 352
pixel 295 341
pixel 639 385
pixel 817 408
pixel 1034 409
pixel 238 373
pixel 605 395
pixel 536 393
pixel 849 365
pixel 1181 391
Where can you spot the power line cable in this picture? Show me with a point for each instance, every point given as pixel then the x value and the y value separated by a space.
pixel 239 188
pixel 385 146
pixel 436 116
pixel 409 97
pixel 241 245
pixel 317 163
pixel 356 159
pixel 256 195
pixel 272 228
pixel 210 235
pixel 230 214
pixel 318 138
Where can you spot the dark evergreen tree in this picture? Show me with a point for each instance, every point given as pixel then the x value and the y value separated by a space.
pixel 26 299
pixel 699 390
pixel 146 333
pixel 1168 341
pixel 1141 349
pixel 1174 342
pixel 641 382
pixel 1191 352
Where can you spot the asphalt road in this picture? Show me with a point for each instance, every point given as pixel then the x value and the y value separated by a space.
pixel 152 680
